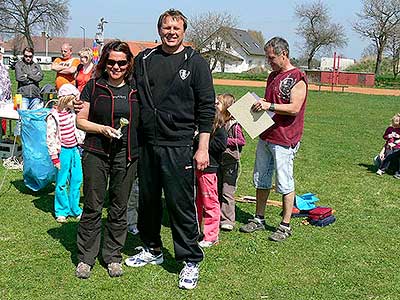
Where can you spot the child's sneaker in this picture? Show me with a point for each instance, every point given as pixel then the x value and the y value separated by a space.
pixel 133 229
pixel 78 217
pixel 82 270
pixel 61 219
pixel 143 258
pixel 380 172
pixel 189 276
pixel 227 227
pixel 207 244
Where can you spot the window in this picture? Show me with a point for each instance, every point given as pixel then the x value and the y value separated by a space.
pixel 217 45
pixel 228 45
pixel 247 44
pixel 257 45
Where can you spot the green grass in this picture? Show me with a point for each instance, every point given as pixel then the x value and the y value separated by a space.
pixel 355 258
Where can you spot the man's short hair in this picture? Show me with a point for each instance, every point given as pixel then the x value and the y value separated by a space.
pixel 175 15
pixel 279 45
pixel 28 49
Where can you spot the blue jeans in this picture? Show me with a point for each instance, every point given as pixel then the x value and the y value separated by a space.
pixel 68 183
pixel 31 103
pixel 272 158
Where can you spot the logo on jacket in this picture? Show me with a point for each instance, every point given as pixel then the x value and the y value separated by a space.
pixel 184 74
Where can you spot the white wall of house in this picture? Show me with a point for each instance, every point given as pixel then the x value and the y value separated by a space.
pixel 234 48
pixel 327 63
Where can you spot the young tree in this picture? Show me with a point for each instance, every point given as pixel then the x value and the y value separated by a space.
pixel 317 30
pixel 215 24
pixel 28 17
pixel 377 21
pixel 393 49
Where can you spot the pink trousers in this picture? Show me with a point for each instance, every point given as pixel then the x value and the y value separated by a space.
pixel 208 204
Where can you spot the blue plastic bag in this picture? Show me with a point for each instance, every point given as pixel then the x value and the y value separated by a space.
pixel 39 170
pixel 305 201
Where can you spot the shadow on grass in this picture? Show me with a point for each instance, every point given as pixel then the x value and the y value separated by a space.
pixel 243 217
pixel 66 235
pixel 21 187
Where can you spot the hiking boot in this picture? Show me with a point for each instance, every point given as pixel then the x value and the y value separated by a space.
pixel 189 276
pixel 82 270
pixel 227 227
pixel 207 244
pixel 115 269
pixel 281 233
pixel 143 258
pixel 253 225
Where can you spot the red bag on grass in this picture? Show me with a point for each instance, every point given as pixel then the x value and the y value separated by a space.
pixel 319 213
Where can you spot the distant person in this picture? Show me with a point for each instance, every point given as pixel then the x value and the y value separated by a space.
pixel 65 66
pixel 63 139
pixel 285 95
pixel 176 94
pixel 28 75
pixel 391 150
pixel 229 168
pixel 5 88
pixel 109 160
pixel 85 68
pixel 207 202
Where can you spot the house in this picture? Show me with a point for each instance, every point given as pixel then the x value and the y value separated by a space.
pixel 48 49
pixel 327 63
pixel 232 50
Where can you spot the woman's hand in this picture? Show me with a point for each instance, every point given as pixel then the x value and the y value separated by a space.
pixel 108 131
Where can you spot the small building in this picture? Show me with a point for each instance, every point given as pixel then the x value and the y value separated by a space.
pixel 327 63
pixel 232 50
pixel 341 78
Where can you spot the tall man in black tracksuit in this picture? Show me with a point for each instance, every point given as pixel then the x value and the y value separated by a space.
pixel 176 96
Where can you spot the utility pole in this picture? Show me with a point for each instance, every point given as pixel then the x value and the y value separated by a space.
pixel 84 36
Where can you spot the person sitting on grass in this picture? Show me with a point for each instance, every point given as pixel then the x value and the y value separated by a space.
pixel 390 151
pixel 62 141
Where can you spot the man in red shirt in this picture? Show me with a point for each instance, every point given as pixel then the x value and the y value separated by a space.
pixel 285 95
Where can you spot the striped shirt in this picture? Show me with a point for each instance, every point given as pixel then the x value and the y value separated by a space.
pixel 67 129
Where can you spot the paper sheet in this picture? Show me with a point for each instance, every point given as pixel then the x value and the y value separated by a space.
pixel 254 123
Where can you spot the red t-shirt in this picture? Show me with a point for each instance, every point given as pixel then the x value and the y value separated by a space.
pixel 287 130
pixel 82 78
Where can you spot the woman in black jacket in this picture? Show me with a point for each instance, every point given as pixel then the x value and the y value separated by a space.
pixel 107 159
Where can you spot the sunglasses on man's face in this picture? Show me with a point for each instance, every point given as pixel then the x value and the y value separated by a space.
pixel 28 56
pixel 120 63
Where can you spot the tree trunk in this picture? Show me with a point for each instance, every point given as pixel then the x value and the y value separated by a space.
pixel 379 59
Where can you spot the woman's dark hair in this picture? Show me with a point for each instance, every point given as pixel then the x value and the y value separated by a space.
pixel 118 46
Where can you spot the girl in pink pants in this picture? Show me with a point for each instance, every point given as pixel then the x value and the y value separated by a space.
pixel 208 207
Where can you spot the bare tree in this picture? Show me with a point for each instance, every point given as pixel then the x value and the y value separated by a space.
pixel 377 21
pixel 258 36
pixel 393 49
pixel 211 24
pixel 29 17
pixel 317 30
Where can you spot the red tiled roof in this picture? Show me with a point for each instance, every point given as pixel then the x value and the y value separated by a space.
pixel 54 44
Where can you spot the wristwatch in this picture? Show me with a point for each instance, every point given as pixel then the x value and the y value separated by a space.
pixel 272 107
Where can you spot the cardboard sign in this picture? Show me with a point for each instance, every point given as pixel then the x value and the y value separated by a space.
pixel 254 123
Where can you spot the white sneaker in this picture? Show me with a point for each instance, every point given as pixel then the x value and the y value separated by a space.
pixel 189 276
pixel 207 244
pixel 61 219
pixel 133 229
pixel 380 172
pixel 227 227
pixel 143 258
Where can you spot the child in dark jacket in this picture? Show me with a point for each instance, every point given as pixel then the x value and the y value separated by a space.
pixel 229 170
pixel 207 186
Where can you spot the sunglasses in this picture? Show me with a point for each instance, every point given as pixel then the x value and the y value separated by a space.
pixel 120 63
pixel 28 56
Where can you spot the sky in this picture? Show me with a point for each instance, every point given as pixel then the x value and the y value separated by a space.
pixel 136 20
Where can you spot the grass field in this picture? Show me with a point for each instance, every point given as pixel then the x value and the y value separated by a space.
pixel 355 258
